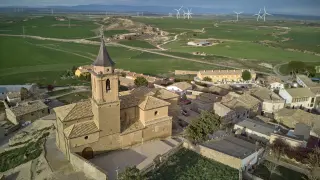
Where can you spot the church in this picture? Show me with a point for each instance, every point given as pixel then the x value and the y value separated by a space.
pixel 109 121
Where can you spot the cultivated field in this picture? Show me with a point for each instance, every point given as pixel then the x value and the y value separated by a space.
pixel 186 164
pixel 238 45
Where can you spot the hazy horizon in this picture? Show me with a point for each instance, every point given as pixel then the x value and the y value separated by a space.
pixel 305 7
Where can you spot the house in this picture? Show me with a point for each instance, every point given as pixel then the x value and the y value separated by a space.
pixel 298 97
pixel 273 83
pixel 256 129
pixel 271 102
pixel 180 87
pixel 227 114
pixel 305 81
pixel 32 88
pixel 199 43
pixel 290 117
pixel 13 97
pixel 231 151
pixel 224 76
pixel 244 105
pixel 108 121
pixel 27 111
pixel 126 82
pixel 204 102
pixel 82 69
pixel 160 93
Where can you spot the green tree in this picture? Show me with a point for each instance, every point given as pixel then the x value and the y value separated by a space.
pixel 131 173
pixel 278 148
pixel 271 167
pixel 24 93
pixel 208 79
pixel 199 129
pixel 141 81
pixel 85 76
pixel 73 69
pixel 296 66
pixel 246 75
pixel 123 74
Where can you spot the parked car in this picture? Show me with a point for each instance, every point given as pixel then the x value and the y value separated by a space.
pixel 184 112
pixel 185 102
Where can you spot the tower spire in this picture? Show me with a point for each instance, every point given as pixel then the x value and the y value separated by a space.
pixel 103 59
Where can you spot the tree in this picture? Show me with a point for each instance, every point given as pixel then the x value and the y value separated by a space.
pixel 271 167
pixel 123 74
pixel 246 75
pixel 73 69
pixel 278 148
pixel 314 161
pixel 199 129
pixel 296 66
pixel 208 79
pixel 24 93
pixel 85 76
pixel 141 81
pixel 50 87
pixel 131 173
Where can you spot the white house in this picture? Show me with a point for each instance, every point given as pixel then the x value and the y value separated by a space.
pixel 271 102
pixel 199 43
pixel 180 87
pixel 298 97
pixel 273 83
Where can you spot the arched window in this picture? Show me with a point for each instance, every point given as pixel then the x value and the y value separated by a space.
pixel 108 85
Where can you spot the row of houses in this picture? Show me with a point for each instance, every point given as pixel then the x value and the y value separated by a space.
pixel 226 76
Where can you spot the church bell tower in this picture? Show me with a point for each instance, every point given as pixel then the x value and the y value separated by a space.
pixel 105 93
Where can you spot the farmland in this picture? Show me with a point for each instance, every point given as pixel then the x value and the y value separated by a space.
pixel 186 164
pixel 241 45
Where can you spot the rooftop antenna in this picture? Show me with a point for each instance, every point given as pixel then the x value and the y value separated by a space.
pixel 178 12
pixel 189 13
pixel 237 13
pixel 258 15
pixel 265 13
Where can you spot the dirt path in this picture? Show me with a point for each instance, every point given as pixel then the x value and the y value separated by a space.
pixel 166 42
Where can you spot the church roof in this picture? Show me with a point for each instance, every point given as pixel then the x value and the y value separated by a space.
pixel 81 129
pixel 103 58
pixel 74 111
pixel 150 102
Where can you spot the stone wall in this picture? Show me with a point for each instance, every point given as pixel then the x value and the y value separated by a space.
pixel 214 155
pixel 90 170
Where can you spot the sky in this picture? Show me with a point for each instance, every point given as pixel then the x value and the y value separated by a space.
pixel 307 7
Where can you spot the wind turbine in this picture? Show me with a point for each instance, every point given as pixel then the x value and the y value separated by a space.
pixel 258 15
pixel 178 12
pixel 238 13
pixel 189 13
pixel 265 13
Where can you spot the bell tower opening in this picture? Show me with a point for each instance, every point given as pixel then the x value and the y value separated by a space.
pixel 108 85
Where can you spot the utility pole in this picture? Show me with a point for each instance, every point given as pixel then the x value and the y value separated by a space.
pixel 69 22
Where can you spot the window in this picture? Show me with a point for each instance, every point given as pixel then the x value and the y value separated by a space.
pixel 108 85
pixel 156 113
pixel 86 137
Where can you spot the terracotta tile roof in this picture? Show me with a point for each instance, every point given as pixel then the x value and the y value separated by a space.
pixel 272 79
pixel 28 107
pixel 81 129
pixel 128 101
pixel 298 115
pixel 164 94
pixel 236 101
pixel 315 90
pixel 74 111
pixel 150 102
pixel 182 85
pixel 265 94
pixel 142 91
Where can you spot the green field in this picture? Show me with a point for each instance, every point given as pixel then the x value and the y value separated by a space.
pixel 187 165
pixel 45 61
pixel 281 173
pixel 137 43
pixel 59 92
pixel 284 68
pixel 48 26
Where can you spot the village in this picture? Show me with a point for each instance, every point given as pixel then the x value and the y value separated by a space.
pixel 255 117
